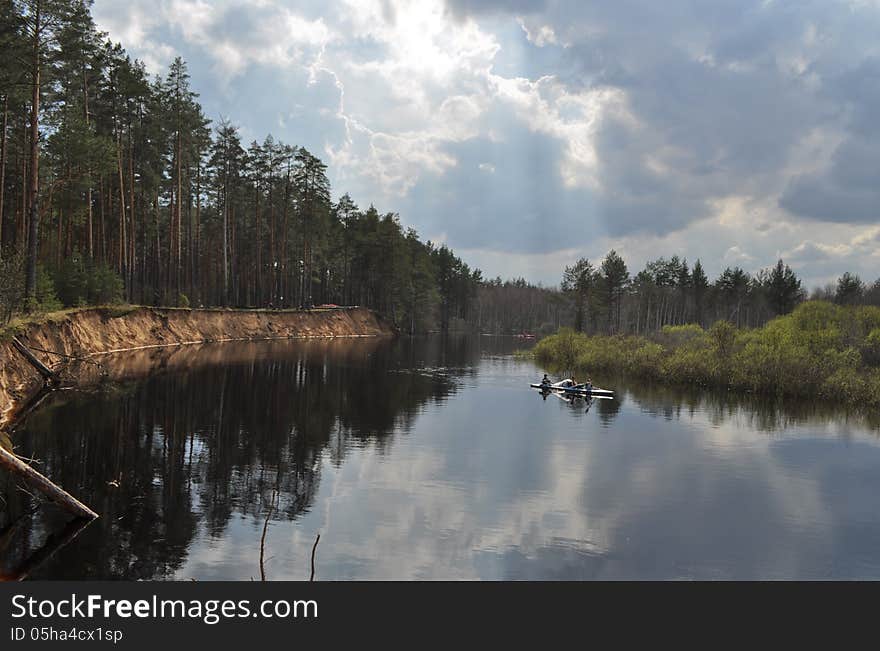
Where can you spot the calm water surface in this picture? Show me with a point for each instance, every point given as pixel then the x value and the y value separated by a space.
pixel 432 459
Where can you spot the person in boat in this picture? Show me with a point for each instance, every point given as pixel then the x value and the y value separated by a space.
pixel 589 385
pixel 545 380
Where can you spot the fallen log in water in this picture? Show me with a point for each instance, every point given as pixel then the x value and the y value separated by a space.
pixel 50 376
pixel 52 491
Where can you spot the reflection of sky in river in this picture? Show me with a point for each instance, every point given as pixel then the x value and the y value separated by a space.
pixel 494 483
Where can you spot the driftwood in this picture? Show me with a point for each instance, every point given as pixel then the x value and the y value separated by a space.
pixel 21 470
pixel 52 491
pixel 75 358
pixel 50 376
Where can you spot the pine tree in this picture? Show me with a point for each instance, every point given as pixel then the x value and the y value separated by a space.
pixel 615 277
pixel 850 289
pixel 699 287
pixel 43 20
pixel 784 289
pixel 226 163
pixel 578 281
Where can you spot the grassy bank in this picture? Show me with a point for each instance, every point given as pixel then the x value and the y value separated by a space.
pixel 820 350
pixel 19 324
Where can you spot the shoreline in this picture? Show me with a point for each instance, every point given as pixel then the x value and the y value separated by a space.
pixel 63 341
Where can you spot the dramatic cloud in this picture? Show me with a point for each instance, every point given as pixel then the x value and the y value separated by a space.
pixel 532 132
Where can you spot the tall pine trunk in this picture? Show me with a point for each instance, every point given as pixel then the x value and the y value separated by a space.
pixel 21 220
pixel 101 227
pixel 168 268
pixel 3 226
pixel 123 249
pixel 226 242
pixel 89 217
pixel 157 265
pixel 179 211
pixel 285 282
pixel 195 253
pixel 259 275
pixel 34 230
pixel 132 239
pixel 273 270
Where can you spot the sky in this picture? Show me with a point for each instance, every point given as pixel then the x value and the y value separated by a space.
pixel 526 134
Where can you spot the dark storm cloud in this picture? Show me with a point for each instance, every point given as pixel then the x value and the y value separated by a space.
pixel 848 191
pixel 721 94
pixel 713 113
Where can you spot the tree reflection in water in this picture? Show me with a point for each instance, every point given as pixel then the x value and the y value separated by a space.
pixel 208 436
pixel 759 412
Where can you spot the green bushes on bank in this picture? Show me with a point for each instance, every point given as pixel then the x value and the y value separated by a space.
pixel 73 283
pixel 79 283
pixel 820 349
pixel 12 283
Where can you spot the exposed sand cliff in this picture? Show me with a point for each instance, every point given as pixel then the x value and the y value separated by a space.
pixel 95 332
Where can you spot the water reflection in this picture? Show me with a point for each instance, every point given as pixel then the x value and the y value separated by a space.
pixel 200 441
pixel 432 458
pixel 759 412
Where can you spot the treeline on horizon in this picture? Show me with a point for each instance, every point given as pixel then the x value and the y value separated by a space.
pixel 668 292
pixel 115 186
pixel 606 298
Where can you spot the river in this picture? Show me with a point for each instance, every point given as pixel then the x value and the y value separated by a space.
pixel 432 459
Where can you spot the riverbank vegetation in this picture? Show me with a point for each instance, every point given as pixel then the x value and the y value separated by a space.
pixel 819 350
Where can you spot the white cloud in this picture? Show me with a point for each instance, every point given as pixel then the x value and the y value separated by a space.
pixel 543 35
pixel 731 132
pixel 548 107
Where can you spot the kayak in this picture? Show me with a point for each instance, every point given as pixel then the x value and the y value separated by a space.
pixel 583 391
pixel 576 390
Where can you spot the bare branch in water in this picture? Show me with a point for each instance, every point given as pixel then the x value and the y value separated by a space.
pixel 314 548
pixel 263 538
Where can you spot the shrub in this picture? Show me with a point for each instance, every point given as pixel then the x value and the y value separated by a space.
pixel 79 283
pixel 723 335
pixel 644 358
pixel 105 286
pixel 871 348
pixel 47 300
pixel 681 334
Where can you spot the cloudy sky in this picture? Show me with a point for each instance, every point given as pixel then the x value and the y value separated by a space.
pixel 528 133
